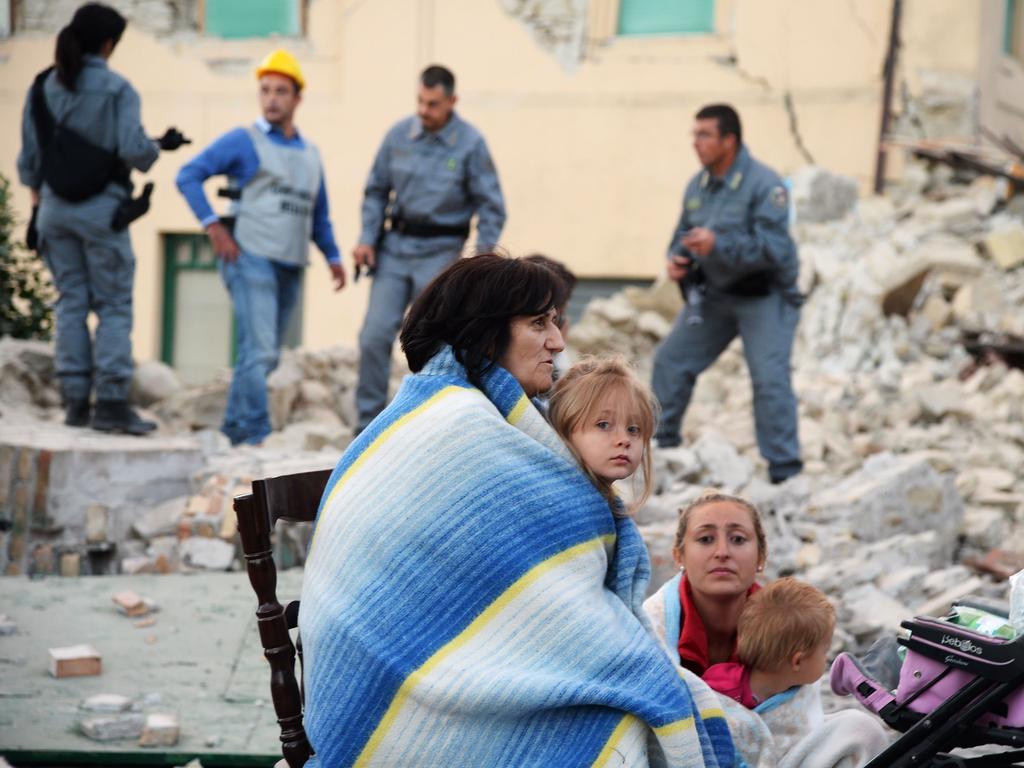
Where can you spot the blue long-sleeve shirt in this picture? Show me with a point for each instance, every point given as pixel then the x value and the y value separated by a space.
pixel 234 156
pixel 441 178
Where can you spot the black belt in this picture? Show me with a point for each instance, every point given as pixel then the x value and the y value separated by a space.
pixel 413 228
pixel 751 286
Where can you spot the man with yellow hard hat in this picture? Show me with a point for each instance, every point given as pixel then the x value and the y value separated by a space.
pixel 280 203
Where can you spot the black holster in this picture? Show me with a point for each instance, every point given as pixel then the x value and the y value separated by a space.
pixel 132 209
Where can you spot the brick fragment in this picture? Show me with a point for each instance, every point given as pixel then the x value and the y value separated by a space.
pixel 75 661
pixel 131 604
pixel 70 564
pixel 161 730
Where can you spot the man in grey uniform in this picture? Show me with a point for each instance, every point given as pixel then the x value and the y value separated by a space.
pixel 432 173
pixel 733 249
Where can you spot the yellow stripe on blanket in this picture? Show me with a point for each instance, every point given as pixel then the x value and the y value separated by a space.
pixel 610 746
pixel 518 410
pixel 476 626
pixel 382 438
pixel 677 727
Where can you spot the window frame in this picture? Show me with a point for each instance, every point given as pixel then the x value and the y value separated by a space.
pixel 620 5
pixel 303 11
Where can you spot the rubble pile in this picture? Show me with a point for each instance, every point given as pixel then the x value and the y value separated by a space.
pixel 913 449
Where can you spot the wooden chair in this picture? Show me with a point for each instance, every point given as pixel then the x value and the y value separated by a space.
pixel 293 498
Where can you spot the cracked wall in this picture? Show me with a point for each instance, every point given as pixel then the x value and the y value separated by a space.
pixel 157 17
pixel 590 131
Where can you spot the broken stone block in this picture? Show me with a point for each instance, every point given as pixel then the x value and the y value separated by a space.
pixel 1006 247
pixel 114 727
pixel 153 381
pixel 983 294
pixel 985 528
pixel 892 494
pixel 871 612
pixel 75 661
pixel 161 520
pixel 208 554
pixel 937 312
pixel 722 463
pixel 943 399
pixel 903 582
pixel 820 195
pixel 940 604
pixel 283 390
pixel 839 575
pixel 136 565
pixel 653 324
pixel 943 579
pixel 106 702
pixel 161 730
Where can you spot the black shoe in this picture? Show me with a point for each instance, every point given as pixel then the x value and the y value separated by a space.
pixel 118 416
pixel 76 413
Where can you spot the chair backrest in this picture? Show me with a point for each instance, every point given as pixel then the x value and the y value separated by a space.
pixel 293 498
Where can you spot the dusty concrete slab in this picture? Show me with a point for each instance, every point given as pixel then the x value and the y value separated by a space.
pixel 200 660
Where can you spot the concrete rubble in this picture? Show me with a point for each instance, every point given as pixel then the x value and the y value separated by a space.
pixel 913 449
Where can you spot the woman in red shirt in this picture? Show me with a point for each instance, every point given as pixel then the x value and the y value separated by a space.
pixel 720 548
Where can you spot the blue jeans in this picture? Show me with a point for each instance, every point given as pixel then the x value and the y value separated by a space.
pixel 93 268
pixel 263 293
pixel 767 326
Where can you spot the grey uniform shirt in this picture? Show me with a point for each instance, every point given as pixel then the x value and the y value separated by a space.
pixel 748 210
pixel 439 178
pixel 103 108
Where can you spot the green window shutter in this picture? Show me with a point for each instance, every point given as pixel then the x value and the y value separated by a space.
pixel 252 18
pixel 653 17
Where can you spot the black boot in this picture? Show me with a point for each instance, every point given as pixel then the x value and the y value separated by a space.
pixel 118 416
pixel 76 413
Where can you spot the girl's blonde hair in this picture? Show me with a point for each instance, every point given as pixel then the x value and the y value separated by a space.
pixel 580 391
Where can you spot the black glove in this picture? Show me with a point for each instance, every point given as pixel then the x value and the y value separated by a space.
pixel 172 139
pixel 132 209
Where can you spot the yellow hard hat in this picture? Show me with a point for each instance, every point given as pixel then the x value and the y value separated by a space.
pixel 281 62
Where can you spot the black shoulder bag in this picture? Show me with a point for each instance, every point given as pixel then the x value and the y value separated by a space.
pixel 73 167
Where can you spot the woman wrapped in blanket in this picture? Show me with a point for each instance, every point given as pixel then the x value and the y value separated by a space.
pixel 469 598
pixel 720 547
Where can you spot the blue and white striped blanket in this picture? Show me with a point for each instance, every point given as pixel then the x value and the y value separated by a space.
pixel 469 600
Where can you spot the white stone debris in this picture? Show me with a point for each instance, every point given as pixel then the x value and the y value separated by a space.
pixel 912 445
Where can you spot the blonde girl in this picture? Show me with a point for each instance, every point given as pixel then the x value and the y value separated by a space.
pixel 607 416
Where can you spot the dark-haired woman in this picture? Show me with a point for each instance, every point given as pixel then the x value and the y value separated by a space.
pixel 92 265
pixel 469 599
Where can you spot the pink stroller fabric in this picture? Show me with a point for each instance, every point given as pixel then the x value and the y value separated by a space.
pixel 923 684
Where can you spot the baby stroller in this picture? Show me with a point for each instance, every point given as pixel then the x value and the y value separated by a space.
pixel 956 688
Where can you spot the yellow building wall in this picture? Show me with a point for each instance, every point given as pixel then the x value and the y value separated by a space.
pixel 592 161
